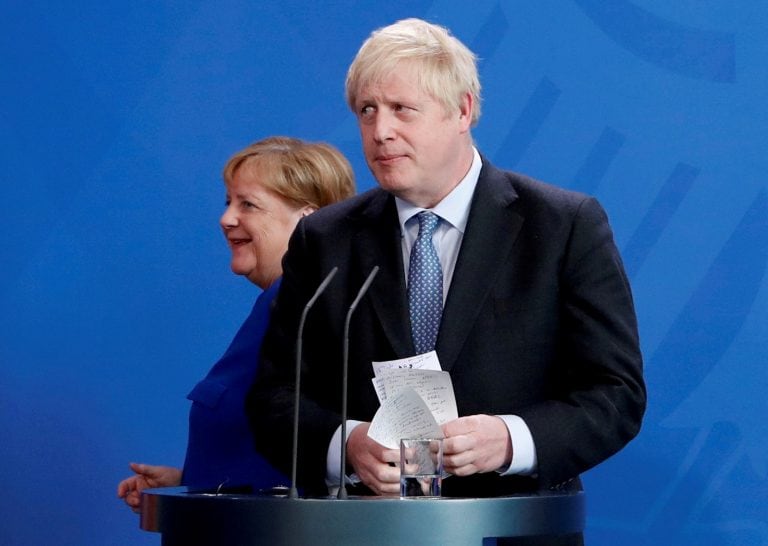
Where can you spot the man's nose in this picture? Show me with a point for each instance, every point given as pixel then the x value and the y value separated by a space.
pixel 383 127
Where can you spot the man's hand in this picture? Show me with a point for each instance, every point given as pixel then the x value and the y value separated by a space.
pixel 477 443
pixel 377 466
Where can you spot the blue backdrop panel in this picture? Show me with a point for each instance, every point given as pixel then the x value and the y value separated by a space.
pixel 115 291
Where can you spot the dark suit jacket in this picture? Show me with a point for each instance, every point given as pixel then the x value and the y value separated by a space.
pixel 538 322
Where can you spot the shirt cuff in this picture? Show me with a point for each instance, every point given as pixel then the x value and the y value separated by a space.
pixel 524 460
pixel 333 459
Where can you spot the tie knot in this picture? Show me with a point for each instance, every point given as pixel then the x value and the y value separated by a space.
pixel 427 223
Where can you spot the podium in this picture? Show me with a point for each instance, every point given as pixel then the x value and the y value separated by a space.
pixel 185 517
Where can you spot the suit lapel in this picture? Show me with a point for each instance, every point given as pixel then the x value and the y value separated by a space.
pixel 377 243
pixel 491 231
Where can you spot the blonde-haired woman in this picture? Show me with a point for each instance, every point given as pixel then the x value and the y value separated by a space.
pixel 270 186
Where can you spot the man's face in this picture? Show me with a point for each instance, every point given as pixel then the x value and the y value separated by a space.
pixel 414 148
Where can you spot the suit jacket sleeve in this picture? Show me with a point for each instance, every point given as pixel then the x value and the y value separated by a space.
pixel 597 397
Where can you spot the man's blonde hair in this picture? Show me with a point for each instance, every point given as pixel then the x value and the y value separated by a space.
pixel 447 69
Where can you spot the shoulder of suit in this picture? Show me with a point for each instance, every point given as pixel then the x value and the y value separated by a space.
pixel 529 189
pixel 364 205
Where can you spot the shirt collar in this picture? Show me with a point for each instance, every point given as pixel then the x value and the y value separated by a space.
pixel 454 208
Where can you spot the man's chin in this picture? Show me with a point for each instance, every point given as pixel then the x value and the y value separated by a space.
pixel 392 183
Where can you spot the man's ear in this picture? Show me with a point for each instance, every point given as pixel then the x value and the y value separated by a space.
pixel 466 107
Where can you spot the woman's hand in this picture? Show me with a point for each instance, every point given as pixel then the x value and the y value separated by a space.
pixel 146 476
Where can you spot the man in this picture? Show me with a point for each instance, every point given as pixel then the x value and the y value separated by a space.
pixel 535 320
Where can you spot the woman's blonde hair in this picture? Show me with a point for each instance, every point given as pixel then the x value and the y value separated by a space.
pixel 447 68
pixel 311 174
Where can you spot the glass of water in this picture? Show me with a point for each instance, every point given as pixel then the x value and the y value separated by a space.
pixel 421 467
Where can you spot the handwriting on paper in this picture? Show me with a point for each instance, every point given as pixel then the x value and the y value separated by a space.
pixel 426 361
pixel 434 387
pixel 404 415
pixel 420 376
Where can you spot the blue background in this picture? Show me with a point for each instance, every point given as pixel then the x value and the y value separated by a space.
pixel 115 289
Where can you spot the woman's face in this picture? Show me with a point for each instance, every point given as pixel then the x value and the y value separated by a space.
pixel 257 224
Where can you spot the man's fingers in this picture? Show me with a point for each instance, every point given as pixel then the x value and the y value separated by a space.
pixel 462 425
pixel 464 470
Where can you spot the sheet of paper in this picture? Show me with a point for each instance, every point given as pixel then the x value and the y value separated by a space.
pixel 404 415
pixel 433 386
pixel 427 361
pixel 378 386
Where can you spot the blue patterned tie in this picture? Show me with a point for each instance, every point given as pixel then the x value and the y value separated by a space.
pixel 425 286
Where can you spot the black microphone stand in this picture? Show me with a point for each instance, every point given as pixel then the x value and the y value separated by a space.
pixel 342 494
pixel 294 492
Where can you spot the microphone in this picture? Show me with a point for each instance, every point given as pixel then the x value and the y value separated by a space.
pixel 293 492
pixel 342 494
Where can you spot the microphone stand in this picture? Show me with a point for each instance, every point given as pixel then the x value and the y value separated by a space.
pixel 294 492
pixel 342 494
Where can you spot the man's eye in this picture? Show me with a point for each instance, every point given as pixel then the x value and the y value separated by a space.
pixel 366 110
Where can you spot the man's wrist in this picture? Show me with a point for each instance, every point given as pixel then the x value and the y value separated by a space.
pixel 523 459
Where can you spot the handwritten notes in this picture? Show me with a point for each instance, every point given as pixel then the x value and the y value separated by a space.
pixel 404 415
pixel 416 397
pixel 434 387
pixel 426 361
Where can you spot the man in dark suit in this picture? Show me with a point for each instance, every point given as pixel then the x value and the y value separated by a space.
pixel 536 327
